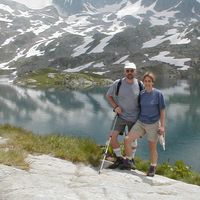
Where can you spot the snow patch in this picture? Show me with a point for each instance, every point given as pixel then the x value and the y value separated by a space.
pixel 39 29
pixel 131 9
pixel 98 65
pixel 100 73
pixel 33 51
pixel 103 43
pixel 180 62
pixel 56 35
pixel 25 14
pixel 121 59
pixel 82 48
pixel 172 35
pixel 6 20
pixel 6 8
pixel 11 39
pixel 78 69
pixel 36 4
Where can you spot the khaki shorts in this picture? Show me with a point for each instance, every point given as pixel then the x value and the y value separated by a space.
pixel 151 130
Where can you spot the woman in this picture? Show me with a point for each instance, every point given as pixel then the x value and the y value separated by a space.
pixel 151 121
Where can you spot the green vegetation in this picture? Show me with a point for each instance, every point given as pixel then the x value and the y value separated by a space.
pixel 21 142
pixel 52 78
pixel 179 171
pixel 13 158
pixel 41 78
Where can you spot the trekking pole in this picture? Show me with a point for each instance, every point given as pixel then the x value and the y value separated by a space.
pixel 108 144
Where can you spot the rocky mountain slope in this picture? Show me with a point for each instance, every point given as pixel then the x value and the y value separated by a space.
pixel 100 36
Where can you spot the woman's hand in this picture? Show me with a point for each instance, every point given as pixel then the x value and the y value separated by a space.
pixel 161 130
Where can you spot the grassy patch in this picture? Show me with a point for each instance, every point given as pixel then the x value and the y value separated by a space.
pixel 41 78
pixel 178 171
pixel 13 158
pixel 52 78
pixel 22 142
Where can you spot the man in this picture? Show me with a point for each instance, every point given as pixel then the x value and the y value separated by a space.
pixel 126 106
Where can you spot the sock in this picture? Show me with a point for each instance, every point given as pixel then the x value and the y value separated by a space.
pixel 117 152
pixel 153 164
pixel 134 147
pixel 129 157
pixel 133 153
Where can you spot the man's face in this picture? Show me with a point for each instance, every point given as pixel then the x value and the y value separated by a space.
pixel 129 73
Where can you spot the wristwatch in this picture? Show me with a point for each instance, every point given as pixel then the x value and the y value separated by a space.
pixel 115 108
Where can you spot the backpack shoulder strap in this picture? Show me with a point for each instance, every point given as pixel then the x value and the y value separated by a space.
pixel 141 86
pixel 118 86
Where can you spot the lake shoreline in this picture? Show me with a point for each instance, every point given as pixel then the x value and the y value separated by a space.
pixel 16 144
pixel 86 113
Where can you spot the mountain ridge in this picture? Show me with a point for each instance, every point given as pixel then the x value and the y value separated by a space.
pixel 101 40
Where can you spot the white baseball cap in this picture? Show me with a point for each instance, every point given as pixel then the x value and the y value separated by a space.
pixel 130 66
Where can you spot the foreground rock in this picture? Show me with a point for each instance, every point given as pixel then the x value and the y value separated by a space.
pixel 51 178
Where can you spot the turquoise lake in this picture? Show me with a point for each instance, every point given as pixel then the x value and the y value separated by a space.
pixel 87 114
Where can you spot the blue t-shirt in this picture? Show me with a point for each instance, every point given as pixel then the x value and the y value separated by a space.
pixel 151 104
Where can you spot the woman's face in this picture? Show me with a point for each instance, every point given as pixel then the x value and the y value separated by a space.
pixel 148 83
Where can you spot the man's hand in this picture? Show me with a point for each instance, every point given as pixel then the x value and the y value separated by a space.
pixel 118 110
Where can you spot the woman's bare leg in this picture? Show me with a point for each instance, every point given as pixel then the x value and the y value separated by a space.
pixel 153 152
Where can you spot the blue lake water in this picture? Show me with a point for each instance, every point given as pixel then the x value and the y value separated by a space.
pixel 87 114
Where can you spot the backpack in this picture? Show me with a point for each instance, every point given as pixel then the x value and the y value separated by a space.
pixel 141 87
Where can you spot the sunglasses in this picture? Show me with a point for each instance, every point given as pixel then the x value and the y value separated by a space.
pixel 129 70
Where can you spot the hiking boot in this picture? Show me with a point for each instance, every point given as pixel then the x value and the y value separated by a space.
pixel 118 161
pixel 152 171
pixel 128 164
